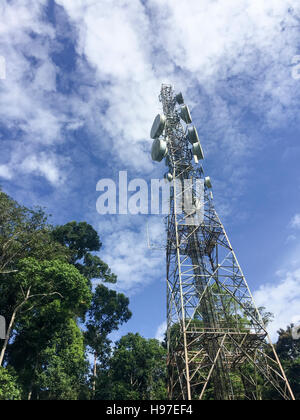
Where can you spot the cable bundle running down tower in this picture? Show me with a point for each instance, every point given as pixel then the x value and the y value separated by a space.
pixel 218 346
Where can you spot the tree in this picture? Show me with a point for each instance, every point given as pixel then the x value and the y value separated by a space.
pixel 62 365
pixel 9 388
pixel 37 284
pixel 288 351
pixel 54 366
pixel 109 309
pixel 81 239
pixel 45 286
pixel 24 233
pixel 137 371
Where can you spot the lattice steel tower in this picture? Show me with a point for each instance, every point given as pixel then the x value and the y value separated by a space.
pixel 218 346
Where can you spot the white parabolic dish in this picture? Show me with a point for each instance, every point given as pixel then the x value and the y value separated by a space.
pixel 179 98
pixel 159 150
pixel 158 126
pixel 197 150
pixel 185 114
pixel 192 134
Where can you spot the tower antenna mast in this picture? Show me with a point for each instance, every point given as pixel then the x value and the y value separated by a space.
pixel 218 345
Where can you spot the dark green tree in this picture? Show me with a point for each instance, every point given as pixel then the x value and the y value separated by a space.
pixel 55 366
pixel 288 350
pixel 10 390
pixel 137 371
pixel 62 368
pixel 24 233
pixel 38 283
pixel 109 309
pixel 81 240
pixel 45 287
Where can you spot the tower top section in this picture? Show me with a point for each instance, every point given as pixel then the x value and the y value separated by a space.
pixel 175 137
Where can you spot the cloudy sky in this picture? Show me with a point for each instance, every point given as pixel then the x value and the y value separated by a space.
pixel 77 100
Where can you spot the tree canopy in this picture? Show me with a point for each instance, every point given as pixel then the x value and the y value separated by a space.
pixel 50 305
pixel 136 371
pixel 81 240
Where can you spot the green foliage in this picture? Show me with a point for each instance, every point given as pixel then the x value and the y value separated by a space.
pixel 108 310
pixel 62 367
pixel 24 233
pixel 288 351
pixel 9 388
pixel 58 293
pixel 45 281
pixel 137 371
pixel 51 365
pixel 45 286
pixel 81 239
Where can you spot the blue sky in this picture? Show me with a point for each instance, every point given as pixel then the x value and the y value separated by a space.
pixel 79 97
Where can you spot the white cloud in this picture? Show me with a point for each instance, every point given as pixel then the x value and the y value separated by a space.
pixel 43 165
pixel 126 251
pixel 5 172
pixel 228 57
pixel 282 299
pixel 30 108
pixel 160 332
pixel 116 38
pixel 295 222
pixel 291 238
pixel 220 39
pixel 240 48
pixel 238 52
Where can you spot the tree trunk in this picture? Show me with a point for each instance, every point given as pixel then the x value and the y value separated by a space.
pixel 33 378
pixel 95 373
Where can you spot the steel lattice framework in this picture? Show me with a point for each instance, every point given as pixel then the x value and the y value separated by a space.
pixel 218 346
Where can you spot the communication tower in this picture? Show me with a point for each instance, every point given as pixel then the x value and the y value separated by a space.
pixel 218 345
